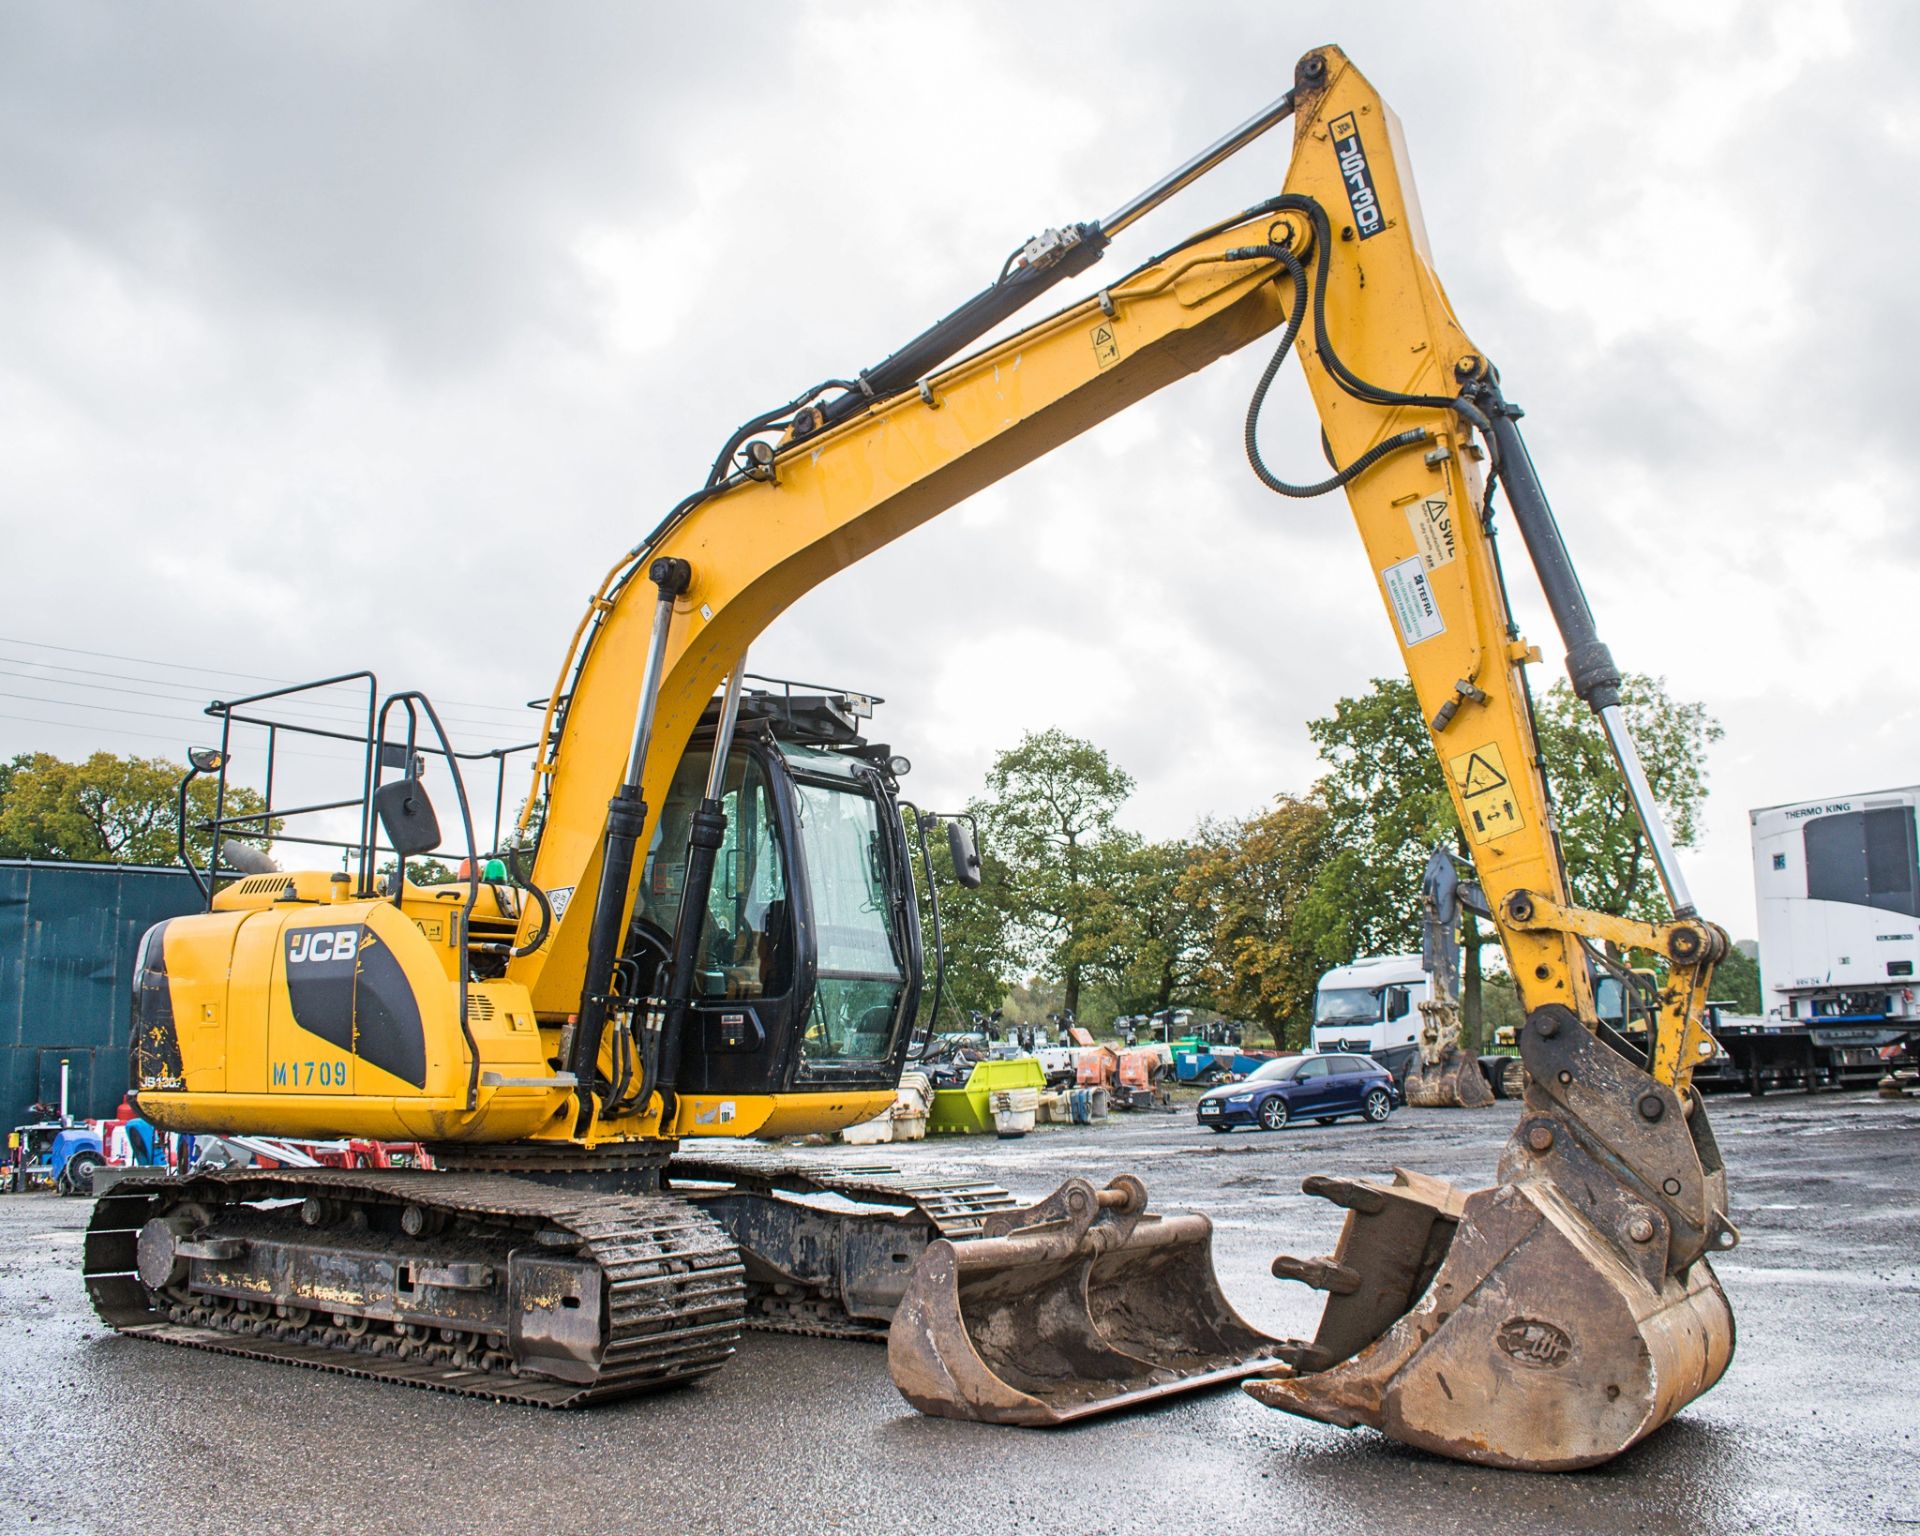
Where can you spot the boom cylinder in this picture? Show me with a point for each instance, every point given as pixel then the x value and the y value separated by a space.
pixel 626 820
pixel 708 832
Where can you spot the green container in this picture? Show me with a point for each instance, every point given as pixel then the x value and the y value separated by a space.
pixel 967 1111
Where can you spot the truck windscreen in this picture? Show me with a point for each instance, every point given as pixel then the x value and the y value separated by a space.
pixel 1347 1005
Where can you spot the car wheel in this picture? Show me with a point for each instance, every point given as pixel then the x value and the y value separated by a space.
pixel 1273 1112
pixel 1379 1105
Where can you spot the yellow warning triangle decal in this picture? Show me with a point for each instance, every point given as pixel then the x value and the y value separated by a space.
pixel 1481 777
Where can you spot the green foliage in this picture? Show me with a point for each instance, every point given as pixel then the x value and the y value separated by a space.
pixel 1248 914
pixel 1387 807
pixel 1609 865
pixel 1146 944
pixel 1249 882
pixel 973 934
pixel 1736 981
pixel 109 809
pixel 1048 818
pixel 1501 1000
pixel 424 871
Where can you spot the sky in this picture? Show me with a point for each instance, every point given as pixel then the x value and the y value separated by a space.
pixel 367 335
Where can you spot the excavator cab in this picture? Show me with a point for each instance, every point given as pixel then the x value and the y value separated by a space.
pixel 807 969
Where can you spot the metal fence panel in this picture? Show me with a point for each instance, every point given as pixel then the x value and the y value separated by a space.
pixel 68 933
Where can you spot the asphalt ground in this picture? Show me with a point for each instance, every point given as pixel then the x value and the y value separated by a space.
pixel 1814 1428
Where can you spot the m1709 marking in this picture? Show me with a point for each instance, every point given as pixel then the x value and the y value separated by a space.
pixel 309 1074
pixel 1368 221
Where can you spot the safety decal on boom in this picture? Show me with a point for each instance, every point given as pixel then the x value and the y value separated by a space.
pixel 1410 595
pixel 1106 345
pixel 1431 519
pixel 1354 171
pixel 1487 793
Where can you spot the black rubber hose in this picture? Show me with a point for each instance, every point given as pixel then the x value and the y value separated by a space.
pixel 526 884
pixel 1295 314
pixel 1344 376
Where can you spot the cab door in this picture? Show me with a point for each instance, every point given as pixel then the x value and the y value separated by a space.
pixel 747 968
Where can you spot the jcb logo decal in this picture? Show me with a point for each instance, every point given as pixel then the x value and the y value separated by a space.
pixel 316 944
pixel 1365 202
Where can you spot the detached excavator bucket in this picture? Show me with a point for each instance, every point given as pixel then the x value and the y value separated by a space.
pixel 1455 1083
pixel 1079 1305
pixel 1548 1322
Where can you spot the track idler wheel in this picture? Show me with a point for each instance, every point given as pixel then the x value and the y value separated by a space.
pixel 1550 1321
pixel 1079 1305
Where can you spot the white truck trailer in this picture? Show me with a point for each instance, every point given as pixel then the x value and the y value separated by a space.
pixel 1837 883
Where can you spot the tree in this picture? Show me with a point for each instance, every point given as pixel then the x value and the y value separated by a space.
pixel 423 871
pixel 1736 980
pixel 1609 865
pixel 1048 817
pixel 1389 806
pixel 974 939
pixel 111 810
pixel 1146 940
pixel 1249 882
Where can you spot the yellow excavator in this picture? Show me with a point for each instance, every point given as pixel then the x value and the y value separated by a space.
pixel 718 940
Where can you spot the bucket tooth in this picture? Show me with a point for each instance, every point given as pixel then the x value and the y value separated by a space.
pixel 1080 1305
pixel 1321 1274
pixel 1349 1194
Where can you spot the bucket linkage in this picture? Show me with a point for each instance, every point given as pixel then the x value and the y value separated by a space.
pixel 1546 1323
pixel 1076 1306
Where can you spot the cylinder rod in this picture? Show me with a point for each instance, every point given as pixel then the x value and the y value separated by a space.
pixel 1048 260
pixel 656 659
pixel 1613 721
pixel 723 738
pixel 1230 144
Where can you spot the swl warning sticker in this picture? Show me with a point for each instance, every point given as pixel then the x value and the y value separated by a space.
pixel 1487 793
pixel 1431 519
pixel 1411 596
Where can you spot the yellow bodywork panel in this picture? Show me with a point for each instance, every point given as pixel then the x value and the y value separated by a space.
pixel 338 1020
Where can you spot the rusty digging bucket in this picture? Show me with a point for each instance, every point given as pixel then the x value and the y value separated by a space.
pixel 1546 1323
pixel 1456 1083
pixel 1079 1305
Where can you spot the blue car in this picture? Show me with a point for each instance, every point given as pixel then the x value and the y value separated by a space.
pixel 1321 1088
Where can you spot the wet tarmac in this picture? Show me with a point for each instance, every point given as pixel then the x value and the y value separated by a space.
pixel 1815 1428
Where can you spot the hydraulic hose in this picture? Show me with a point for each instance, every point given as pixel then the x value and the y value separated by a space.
pixel 1296 313
pixel 525 883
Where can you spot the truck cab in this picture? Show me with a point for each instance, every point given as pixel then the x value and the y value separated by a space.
pixel 1372 1008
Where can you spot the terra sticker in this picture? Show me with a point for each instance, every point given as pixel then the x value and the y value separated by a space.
pixel 1410 595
